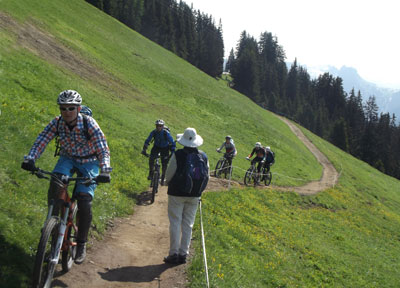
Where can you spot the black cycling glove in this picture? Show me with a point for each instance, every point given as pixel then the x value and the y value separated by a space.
pixel 28 165
pixel 104 178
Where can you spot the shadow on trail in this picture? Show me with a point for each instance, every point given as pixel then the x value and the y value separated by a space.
pixel 143 199
pixel 58 283
pixel 15 265
pixel 135 274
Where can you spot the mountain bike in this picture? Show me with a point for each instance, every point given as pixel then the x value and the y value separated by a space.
pixel 59 232
pixel 251 177
pixel 156 176
pixel 222 167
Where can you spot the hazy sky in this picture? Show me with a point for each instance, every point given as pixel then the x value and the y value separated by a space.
pixel 355 33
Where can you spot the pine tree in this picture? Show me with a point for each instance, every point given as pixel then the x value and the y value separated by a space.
pixel 245 72
pixel 339 136
pixel 230 62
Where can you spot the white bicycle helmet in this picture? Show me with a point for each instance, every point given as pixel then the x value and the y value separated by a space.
pixel 228 137
pixel 69 97
pixel 159 122
pixel 268 148
pixel 258 145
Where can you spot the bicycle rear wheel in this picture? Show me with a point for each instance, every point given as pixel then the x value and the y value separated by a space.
pixel 218 171
pixel 68 256
pixel 249 177
pixel 154 190
pixel 43 270
pixel 267 178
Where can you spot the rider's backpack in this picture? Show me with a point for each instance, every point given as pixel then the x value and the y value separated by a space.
pixel 86 112
pixel 270 155
pixel 191 179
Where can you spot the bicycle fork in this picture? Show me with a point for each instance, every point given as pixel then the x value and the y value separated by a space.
pixel 60 238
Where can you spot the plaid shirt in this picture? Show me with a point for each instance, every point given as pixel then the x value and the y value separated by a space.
pixel 74 143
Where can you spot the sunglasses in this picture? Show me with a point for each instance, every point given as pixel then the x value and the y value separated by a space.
pixel 67 108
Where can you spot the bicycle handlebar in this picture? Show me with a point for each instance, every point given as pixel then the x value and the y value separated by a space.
pixel 148 155
pixel 145 154
pixel 40 173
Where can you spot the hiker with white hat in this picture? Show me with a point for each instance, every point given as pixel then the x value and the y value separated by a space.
pixel 187 176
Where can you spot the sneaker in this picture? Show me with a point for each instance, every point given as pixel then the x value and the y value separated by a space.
pixel 162 182
pixel 80 253
pixel 171 259
pixel 182 259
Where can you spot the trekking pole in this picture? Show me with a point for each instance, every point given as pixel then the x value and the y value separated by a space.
pixel 203 244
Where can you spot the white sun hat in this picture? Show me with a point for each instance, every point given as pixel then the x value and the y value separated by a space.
pixel 189 138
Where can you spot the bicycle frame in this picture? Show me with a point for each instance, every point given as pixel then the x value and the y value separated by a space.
pixel 253 173
pixel 66 218
pixel 156 175
pixel 157 164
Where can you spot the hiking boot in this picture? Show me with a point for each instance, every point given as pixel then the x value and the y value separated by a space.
pixel 182 259
pixel 80 253
pixel 171 259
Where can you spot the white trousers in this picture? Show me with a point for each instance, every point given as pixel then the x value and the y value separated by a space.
pixel 181 214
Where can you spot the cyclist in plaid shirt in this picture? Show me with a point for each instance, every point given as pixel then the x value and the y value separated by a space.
pixel 83 152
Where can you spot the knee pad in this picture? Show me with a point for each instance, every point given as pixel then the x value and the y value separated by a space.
pixel 84 204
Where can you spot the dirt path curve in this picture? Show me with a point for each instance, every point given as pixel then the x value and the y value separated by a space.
pixel 131 253
pixel 329 174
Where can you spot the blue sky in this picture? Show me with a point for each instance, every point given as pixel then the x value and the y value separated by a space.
pixel 354 33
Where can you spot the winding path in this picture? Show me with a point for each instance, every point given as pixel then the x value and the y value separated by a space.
pixel 131 253
pixel 329 174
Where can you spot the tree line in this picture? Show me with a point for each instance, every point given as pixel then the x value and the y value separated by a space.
pixel 190 34
pixel 259 70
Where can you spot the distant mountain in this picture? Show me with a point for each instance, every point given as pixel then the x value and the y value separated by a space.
pixel 388 100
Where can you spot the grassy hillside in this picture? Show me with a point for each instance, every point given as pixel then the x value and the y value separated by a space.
pixel 346 236
pixel 47 46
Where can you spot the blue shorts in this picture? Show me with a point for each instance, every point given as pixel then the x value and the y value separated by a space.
pixel 68 166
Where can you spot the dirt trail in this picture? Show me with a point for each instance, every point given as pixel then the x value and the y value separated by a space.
pixel 131 253
pixel 329 174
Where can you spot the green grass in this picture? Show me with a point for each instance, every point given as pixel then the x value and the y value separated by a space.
pixel 347 236
pixel 275 239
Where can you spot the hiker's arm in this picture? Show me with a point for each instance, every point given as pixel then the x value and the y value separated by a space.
pixel 172 142
pixel 171 169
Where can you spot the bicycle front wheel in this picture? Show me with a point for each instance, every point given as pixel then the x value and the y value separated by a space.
pixel 68 256
pixel 249 177
pixel 43 270
pixel 218 171
pixel 154 190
